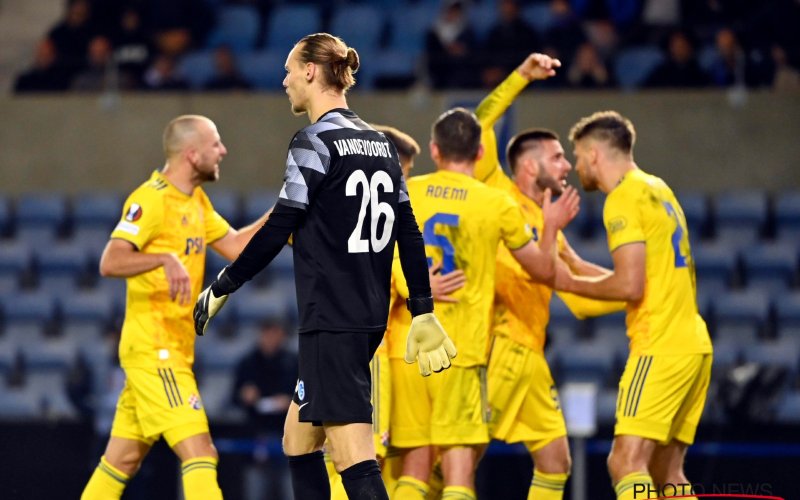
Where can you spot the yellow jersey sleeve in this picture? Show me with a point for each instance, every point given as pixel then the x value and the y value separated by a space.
pixel 142 217
pixel 216 226
pixel 514 231
pixel 622 219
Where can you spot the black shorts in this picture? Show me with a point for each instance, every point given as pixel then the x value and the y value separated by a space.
pixel 334 382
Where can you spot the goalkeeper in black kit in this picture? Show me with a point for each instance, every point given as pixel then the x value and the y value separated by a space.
pixel 345 203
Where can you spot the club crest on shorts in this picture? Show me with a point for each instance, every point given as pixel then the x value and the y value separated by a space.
pixel 134 213
pixel 194 402
pixel 301 390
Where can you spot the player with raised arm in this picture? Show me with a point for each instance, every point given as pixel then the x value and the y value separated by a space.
pixel 522 394
pixel 345 203
pixel 462 221
pixel 663 387
pixel 159 246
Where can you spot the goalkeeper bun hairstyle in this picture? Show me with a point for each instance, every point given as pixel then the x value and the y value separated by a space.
pixel 337 61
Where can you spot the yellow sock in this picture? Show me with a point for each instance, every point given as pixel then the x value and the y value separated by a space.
pixel 546 486
pixel 635 486
pixel 337 486
pixel 458 493
pixel 107 482
pixel 436 481
pixel 200 479
pixel 410 488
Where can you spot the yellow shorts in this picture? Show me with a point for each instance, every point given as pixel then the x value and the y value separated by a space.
pixel 522 396
pixel 381 400
pixel 159 401
pixel 445 409
pixel 662 397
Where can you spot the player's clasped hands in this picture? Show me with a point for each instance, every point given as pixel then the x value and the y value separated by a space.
pixel 429 345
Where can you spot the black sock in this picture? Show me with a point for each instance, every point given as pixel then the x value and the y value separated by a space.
pixel 363 481
pixel 309 477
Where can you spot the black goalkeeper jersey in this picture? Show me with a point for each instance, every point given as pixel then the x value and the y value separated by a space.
pixel 346 177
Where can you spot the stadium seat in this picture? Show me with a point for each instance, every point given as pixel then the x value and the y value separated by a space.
pixel 50 354
pixel 359 25
pixel 783 352
pixel 787 316
pixel 114 288
pixel 741 315
pixel 29 307
pixel 15 259
pixel 17 404
pixel 771 267
pixel 539 16
pixel 60 266
pixel 252 306
pixel 222 353
pixel 482 17
pixel 787 216
pixel 83 332
pixel 197 68
pixel 256 203
pixel 5 216
pixel 263 69
pixel 96 210
pixel 561 316
pixel 788 411
pixel 237 28
pixel 49 390
pixel 590 361
pixel 727 353
pixel 610 330
pixel 216 392
pixel 227 204
pixel 695 209
pixel 392 69
pixel 289 23
pixel 90 306
pixel 633 65
pixel 408 24
pixel 715 266
pixel 594 251
pixel 40 217
pixel 740 216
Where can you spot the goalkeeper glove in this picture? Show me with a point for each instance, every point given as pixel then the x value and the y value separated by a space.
pixel 427 342
pixel 211 301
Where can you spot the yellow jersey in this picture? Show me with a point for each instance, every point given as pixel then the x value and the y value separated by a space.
pixel 159 218
pixel 643 209
pixel 522 306
pixel 462 222
pixel 399 316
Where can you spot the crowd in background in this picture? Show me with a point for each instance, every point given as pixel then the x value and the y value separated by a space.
pixel 138 44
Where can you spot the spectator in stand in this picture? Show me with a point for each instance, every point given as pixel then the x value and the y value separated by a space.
pixel 265 380
pixel 450 45
pixel 734 66
pixel 680 69
pixel 71 36
pixel 510 40
pixel 162 75
pixel 226 76
pixel 786 77
pixel 588 71
pixel 178 25
pixel 45 75
pixel 131 46
pixel 99 75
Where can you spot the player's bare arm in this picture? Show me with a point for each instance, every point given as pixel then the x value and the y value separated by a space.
pixel 626 282
pixel 121 259
pixel 232 244
pixel 577 265
pixel 539 261
pixel 443 285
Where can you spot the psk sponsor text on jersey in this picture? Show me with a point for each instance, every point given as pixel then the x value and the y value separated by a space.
pixel 447 192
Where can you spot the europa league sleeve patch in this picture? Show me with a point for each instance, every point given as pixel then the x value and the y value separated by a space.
pixel 134 212
pixel 617 224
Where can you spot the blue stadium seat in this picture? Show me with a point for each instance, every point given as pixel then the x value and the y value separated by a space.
pixel 5 216
pixel 561 316
pixel 787 315
pixel 114 288
pixel 740 216
pixel 255 306
pixel 29 307
pixel 715 265
pixel 83 332
pixel 50 354
pixel 408 25
pixel 783 352
pixel 263 69
pixel 788 411
pixel 96 210
pixel 359 25
pixel 15 259
pixel 741 315
pixel 91 306
pixel 482 17
pixel 586 362
pixel 237 27
pixel 695 209
pixel 633 65
pixel 256 203
pixel 60 265
pixel 197 68
pixel 727 353
pixel 40 217
pixel 391 69
pixel 770 266
pixel 289 23
pixel 787 216
pixel 221 353
pixel 610 330
pixel 227 204
pixel 48 388
pixel 539 16
pixel 17 404
pixel 594 251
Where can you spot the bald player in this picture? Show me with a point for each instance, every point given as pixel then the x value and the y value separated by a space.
pixel 159 247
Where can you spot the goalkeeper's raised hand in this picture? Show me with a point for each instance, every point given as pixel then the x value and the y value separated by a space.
pixel 428 343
